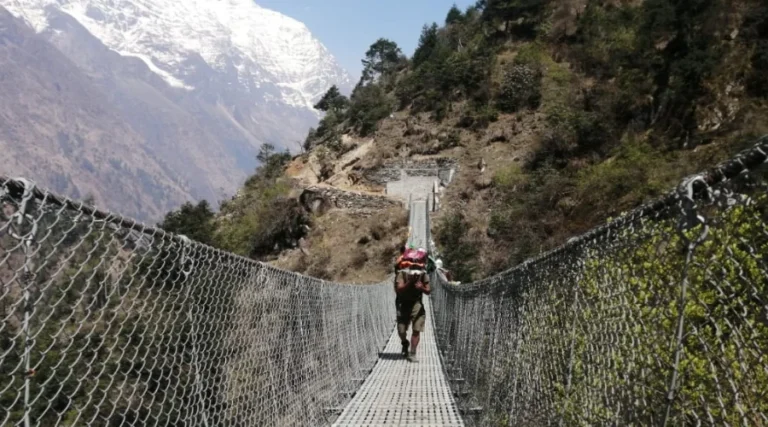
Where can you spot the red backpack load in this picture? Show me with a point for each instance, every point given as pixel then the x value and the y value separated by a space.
pixel 412 258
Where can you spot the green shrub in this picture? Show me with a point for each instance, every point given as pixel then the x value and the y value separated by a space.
pixel 607 38
pixel 558 139
pixel 643 266
pixel 468 71
pixel 520 18
pixel 479 117
pixel 328 129
pixel 309 140
pixel 406 90
pixel 520 88
pixel 457 250
pixel 637 172
pixel 369 105
pixel 440 110
pixel 263 219
pixel 449 65
pixel 573 132
pixel 531 54
pixel 526 212
pixel 193 221
pixel 507 179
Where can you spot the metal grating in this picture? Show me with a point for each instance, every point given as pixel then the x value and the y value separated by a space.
pixel 418 223
pixel 401 393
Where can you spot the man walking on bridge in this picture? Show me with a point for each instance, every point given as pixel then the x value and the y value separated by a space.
pixel 410 283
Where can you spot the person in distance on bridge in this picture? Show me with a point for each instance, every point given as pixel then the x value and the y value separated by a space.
pixel 445 274
pixel 411 281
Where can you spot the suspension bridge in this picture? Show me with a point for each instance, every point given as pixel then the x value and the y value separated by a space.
pixel 659 317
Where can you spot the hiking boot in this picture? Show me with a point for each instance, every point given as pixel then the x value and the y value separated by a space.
pixel 412 357
pixel 405 349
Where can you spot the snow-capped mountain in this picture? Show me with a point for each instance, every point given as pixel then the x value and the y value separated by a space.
pixel 202 83
pixel 255 45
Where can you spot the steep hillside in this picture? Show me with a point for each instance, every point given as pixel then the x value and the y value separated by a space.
pixel 203 149
pixel 203 84
pixel 60 130
pixel 559 115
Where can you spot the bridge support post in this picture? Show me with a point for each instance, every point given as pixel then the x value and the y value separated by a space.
pixel 185 243
pixel 435 191
pixel 27 279
pixel 690 218
pixel 569 373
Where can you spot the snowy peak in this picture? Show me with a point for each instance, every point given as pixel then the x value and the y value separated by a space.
pixel 196 86
pixel 252 45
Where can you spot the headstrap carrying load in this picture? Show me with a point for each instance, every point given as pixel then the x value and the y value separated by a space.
pixel 413 270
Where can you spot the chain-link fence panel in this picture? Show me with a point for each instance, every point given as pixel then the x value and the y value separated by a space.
pixel 106 322
pixel 658 318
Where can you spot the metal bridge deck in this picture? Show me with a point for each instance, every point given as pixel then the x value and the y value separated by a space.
pixel 402 393
pixel 418 224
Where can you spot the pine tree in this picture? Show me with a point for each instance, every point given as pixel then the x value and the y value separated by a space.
pixel 427 43
pixel 271 161
pixel 454 15
pixel 333 100
pixel 382 58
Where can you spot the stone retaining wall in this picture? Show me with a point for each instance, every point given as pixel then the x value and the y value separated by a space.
pixel 435 163
pixel 394 170
pixel 320 199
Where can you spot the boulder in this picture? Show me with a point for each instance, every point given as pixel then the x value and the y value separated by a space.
pixel 482 182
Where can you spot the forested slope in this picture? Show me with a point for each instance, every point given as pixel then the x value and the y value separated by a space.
pixel 560 114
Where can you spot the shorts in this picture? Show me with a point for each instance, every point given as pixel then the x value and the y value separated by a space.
pixel 410 312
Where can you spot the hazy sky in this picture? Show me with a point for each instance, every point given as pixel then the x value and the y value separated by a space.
pixel 348 27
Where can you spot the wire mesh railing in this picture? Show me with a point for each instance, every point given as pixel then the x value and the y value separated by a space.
pixel 658 318
pixel 106 322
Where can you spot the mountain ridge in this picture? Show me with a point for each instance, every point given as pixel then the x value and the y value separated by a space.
pixel 205 131
pixel 55 122
pixel 228 34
